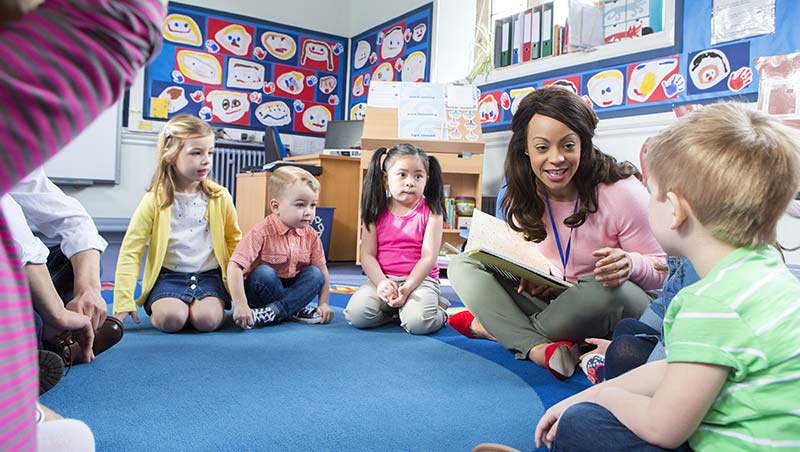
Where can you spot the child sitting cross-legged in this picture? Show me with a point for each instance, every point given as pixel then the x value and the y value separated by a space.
pixel 279 266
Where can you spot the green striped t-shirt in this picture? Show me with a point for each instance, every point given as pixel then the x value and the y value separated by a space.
pixel 745 315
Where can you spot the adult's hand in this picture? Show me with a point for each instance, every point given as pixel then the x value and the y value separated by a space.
pixel 90 304
pixel 80 326
pixel 540 291
pixel 613 268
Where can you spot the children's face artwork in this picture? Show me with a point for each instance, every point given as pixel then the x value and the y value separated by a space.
pixel 176 98
pixel 200 66
pixel 358 111
pixel 647 77
pixel 228 106
pixel 235 39
pixel 279 45
pixel 297 206
pixel 361 55
pixel 292 82
pixel 245 74
pixel 383 73
pixel 406 180
pixel 606 88
pixel 317 51
pixel 517 95
pixel 393 43
pixel 489 110
pixel 709 68
pixel 275 113
pixel 193 163
pixel 419 32
pixel 358 86
pixel 414 68
pixel 316 118
pixel 181 29
pixel 554 151
pixel 327 84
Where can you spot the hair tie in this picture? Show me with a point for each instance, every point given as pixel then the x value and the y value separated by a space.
pixel 167 132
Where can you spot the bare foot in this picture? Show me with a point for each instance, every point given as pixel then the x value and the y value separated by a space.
pixel 477 329
pixel 536 354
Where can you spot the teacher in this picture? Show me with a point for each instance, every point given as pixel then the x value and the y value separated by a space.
pixel 587 213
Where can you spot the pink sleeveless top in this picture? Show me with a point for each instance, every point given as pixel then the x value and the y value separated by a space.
pixel 400 241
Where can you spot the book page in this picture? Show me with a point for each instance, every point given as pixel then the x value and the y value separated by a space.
pixel 493 234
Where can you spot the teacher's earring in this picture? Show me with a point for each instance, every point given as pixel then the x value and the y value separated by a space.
pixel 526 153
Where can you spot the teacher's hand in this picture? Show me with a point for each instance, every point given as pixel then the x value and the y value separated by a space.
pixel 540 291
pixel 614 266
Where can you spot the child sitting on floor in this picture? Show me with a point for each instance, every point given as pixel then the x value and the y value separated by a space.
pixel 279 266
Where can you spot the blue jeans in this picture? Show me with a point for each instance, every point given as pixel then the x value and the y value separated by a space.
pixel 592 428
pixel 264 288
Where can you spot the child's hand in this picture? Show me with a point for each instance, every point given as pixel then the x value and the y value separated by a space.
pixel 613 268
pixel 121 316
pixel 540 291
pixel 325 313
pixel 400 299
pixel 602 346
pixel 243 317
pixel 387 290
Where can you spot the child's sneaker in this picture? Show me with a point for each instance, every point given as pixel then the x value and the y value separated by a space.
pixel 592 365
pixel 307 315
pixel 264 316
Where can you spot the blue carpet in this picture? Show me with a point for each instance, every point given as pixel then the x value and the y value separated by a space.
pixel 296 387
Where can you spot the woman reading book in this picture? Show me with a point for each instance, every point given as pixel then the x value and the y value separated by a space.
pixel 587 214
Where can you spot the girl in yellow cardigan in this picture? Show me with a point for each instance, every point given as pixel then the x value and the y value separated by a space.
pixel 191 226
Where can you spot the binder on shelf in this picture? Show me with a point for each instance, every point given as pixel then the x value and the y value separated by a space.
pixel 505 54
pixel 526 35
pixel 547 30
pixel 536 33
pixel 516 50
pixel 498 43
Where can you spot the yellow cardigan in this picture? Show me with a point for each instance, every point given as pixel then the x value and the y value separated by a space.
pixel 150 223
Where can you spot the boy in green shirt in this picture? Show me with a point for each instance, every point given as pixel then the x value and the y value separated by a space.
pixel 720 179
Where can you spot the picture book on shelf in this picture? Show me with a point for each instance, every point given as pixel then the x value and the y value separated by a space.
pixel 493 242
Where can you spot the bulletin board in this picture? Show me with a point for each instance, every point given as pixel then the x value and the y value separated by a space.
pixel 694 71
pixel 396 50
pixel 236 71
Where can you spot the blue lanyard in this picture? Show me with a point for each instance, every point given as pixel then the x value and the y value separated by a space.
pixel 564 256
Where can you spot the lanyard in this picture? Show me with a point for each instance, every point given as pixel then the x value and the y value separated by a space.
pixel 564 255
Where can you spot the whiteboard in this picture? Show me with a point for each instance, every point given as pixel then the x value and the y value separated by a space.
pixel 93 156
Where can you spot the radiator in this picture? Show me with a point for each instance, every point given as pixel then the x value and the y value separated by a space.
pixel 230 161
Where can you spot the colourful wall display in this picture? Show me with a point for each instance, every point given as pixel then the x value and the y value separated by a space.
pixel 399 49
pixel 236 71
pixel 691 71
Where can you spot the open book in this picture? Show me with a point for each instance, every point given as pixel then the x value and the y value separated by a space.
pixel 492 242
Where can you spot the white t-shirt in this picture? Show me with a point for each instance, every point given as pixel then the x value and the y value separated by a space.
pixel 189 248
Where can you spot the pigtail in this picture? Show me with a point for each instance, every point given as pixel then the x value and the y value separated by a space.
pixel 434 189
pixel 373 192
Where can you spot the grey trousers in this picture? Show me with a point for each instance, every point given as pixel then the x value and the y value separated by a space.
pixel 520 321
pixel 423 313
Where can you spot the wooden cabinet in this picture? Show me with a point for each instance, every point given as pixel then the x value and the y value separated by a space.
pixel 337 190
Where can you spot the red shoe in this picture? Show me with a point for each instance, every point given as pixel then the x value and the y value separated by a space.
pixel 561 358
pixel 461 322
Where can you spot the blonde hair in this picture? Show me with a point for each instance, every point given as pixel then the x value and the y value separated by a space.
pixel 737 168
pixel 286 176
pixel 170 142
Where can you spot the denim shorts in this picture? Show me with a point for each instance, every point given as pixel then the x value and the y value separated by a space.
pixel 188 287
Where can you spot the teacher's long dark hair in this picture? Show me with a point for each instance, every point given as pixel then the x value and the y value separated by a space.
pixel 522 207
pixel 373 193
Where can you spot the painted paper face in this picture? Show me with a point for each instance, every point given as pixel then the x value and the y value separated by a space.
pixel 566 84
pixel 516 97
pixel 235 39
pixel 419 32
pixel 414 68
pixel 358 86
pixel 200 66
pixel 316 118
pixel 489 110
pixel 393 43
pixel 245 74
pixel 181 29
pixel 176 98
pixel 291 82
pixel 361 55
pixel 606 88
pixel 228 106
pixel 279 45
pixel 384 72
pixel 317 51
pixel 647 77
pixel 274 113
pixel 327 84
pixel 709 68
pixel 358 111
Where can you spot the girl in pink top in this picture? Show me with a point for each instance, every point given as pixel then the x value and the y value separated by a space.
pixel 400 242
pixel 588 215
